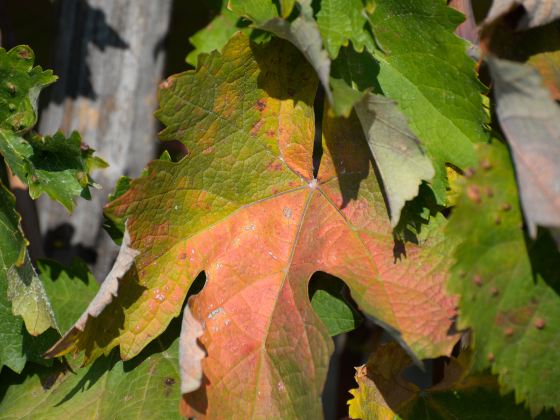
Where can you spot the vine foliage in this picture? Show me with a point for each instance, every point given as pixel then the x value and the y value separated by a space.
pixel 348 142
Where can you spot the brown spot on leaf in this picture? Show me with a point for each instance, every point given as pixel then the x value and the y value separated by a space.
pixel 271 133
pixel 498 220
pixel 183 256
pixel 506 207
pixel 275 166
pixel 489 192
pixel 477 280
pixel 208 150
pixel 261 105
pixel 486 165
pixel 490 357
pixel 508 332
pixel 494 292
pixel 469 172
pixel 168 385
pixel 539 323
pixel 473 192
pixel 24 53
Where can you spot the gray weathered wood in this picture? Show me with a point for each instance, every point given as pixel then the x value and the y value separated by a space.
pixel 110 60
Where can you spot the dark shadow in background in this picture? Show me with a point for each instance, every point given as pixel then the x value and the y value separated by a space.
pixel 80 26
pixel 56 30
pixel 58 246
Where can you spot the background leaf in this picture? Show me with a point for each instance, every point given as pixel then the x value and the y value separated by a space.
pixel 537 12
pixel 401 162
pixel 508 284
pixel 385 392
pixel 530 120
pixel 329 298
pixel 70 289
pixel 424 68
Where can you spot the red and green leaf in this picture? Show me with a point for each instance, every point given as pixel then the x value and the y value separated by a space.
pixel 246 208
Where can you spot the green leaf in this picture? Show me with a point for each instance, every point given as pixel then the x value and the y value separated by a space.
pixel 342 21
pixel 329 298
pixel 70 289
pixel 146 387
pixel 384 392
pixel 401 162
pixel 20 87
pixel 115 226
pixel 22 297
pixel 29 299
pixel 424 68
pixel 215 35
pixel 259 11
pixel 56 165
pixel 11 328
pixel 508 284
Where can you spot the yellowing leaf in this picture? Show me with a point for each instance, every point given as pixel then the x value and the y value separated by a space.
pixel 245 207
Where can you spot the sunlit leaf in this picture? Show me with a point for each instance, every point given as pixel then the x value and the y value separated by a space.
pixel 245 207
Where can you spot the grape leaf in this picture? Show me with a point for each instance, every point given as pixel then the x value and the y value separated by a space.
pixel 245 207
pixel 21 292
pixel 424 68
pixel 342 21
pixel 384 392
pixel 530 120
pixel 55 165
pixel 508 284
pixel 537 12
pixel 397 152
pixel 29 299
pixel 349 78
pixel 215 35
pixel 70 289
pixel 330 303
pixel 21 84
pixel 302 31
pixel 420 64
pixel 11 350
pixel 146 387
